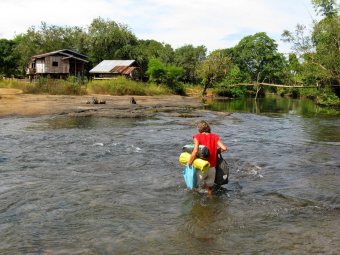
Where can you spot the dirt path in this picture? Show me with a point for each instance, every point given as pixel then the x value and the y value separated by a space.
pixel 14 103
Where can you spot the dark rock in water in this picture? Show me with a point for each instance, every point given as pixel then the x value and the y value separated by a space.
pixel 132 100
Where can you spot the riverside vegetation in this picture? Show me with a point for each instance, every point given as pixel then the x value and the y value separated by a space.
pixel 75 86
pixel 314 61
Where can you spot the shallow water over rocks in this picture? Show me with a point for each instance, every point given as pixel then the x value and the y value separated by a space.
pixel 91 185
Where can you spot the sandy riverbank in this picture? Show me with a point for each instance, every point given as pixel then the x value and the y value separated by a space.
pixel 14 103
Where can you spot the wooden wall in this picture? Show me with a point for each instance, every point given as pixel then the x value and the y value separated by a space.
pixel 63 65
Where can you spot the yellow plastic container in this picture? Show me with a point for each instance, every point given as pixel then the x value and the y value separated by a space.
pixel 198 163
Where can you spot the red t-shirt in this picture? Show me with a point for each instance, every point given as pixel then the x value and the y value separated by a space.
pixel 210 140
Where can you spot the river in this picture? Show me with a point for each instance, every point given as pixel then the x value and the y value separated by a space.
pixel 114 186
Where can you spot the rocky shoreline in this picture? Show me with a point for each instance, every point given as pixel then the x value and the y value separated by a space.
pixel 14 103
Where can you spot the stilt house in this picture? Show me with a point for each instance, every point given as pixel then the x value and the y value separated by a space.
pixel 57 64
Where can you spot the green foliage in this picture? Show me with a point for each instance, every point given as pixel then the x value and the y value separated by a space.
pixel 123 86
pixel 313 74
pixel 319 49
pixel 300 39
pixel 231 91
pixel 294 70
pixel 295 93
pixel 109 40
pixel 235 76
pixel 8 60
pixel 310 93
pixel 327 97
pixel 257 56
pixel 214 68
pixel 173 74
pixel 326 38
pixel 226 88
pixel 146 50
pixel 189 58
pixel 325 7
pixel 323 96
pixel 156 71
pixel 152 49
pixel 316 58
pixel 48 38
pixel 170 75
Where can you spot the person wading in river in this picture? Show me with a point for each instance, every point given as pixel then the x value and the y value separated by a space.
pixel 213 142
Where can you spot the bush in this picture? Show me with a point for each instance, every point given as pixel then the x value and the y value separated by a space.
pixel 295 93
pixel 310 93
pixel 177 88
pixel 236 91
pixel 291 92
pixel 327 97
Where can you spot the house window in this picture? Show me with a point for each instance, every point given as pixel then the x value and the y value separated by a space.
pixel 55 63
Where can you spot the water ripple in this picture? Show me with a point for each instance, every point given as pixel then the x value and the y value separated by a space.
pixel 89 186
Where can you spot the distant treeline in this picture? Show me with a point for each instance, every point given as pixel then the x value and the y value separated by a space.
pixel 314 60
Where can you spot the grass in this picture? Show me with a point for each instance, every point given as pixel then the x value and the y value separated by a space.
pixel 74 86
pixel 122 86
pixel 193 90
pixel 14 84
pixel 46 86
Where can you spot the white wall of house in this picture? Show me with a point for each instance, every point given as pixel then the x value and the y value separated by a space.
pixel 40 66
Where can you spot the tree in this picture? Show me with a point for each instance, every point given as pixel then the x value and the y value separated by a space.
pixel 161 73
pixel 109 40
pixel 301 40
pixel 8 61
pixel 326 39
pixel 152 49
pixel 325 7
pixel 48 38
pixel 213 69
pixel 294 68
pixel 257 56
pixel 156 71
pixel 320 48
pixel 27 45
pixel 189 57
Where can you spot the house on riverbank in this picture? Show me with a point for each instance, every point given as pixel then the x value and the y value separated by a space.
pixel 108 69
pixel 57 64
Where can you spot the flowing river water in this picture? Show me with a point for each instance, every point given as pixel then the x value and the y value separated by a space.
pixel 114 186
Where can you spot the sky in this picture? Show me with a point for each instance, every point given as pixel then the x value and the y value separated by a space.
pixel 216 24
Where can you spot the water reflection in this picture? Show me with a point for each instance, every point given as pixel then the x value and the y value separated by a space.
pixel 271 105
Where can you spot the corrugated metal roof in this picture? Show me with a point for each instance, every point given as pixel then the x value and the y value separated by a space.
pixel 129 70
pixel 118 69
pixel 107 66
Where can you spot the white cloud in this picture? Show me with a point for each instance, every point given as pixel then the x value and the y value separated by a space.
pixel 213 23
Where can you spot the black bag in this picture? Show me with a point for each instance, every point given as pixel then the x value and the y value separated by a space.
pixel 222 171
pixel 203 151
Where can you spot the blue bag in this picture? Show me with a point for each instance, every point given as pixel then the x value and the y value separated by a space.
pixel 189 174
